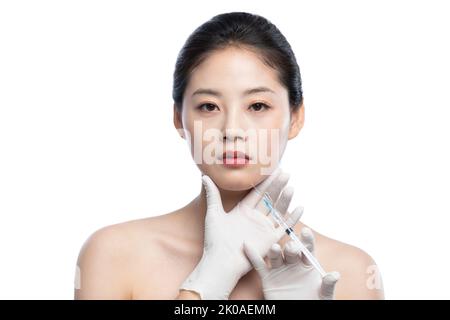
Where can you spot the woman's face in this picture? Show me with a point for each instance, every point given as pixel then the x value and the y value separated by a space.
pixel 236 118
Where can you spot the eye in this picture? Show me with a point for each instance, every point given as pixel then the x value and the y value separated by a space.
pixel 259 106
pixel 208 107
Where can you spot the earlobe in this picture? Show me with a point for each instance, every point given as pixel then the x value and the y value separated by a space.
pixel 297 121
pixel 177 122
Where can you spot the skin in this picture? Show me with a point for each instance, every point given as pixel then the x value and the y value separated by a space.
pixel 150 258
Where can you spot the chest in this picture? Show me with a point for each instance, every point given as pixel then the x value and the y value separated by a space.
pixel 161 279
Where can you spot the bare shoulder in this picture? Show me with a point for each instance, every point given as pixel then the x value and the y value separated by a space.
pixel 106 260
pixel 360 277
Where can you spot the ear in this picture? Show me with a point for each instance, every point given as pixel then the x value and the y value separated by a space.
pixel 297 121
pixel 177 121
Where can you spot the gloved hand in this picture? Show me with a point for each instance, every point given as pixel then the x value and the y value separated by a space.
pixel 223 262
pixel 292 277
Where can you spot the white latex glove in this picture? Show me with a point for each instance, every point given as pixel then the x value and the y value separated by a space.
pixel 224 262
pixel 292 277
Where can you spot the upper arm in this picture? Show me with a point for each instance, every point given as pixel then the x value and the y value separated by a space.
pixel 360 277
pixel 102 271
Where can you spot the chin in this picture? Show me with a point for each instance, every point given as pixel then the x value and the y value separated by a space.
pixel 234 179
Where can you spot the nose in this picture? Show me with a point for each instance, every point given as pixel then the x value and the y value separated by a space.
pixel 233 129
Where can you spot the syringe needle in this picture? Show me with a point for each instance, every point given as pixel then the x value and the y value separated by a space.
pixel 275 214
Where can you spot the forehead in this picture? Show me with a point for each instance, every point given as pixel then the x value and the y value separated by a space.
pixel 233 70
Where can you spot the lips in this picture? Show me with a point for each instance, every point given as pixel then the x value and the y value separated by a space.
pixel 235 158
pixel 235 155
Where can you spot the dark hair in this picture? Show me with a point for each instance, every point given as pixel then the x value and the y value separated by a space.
pixel 239 29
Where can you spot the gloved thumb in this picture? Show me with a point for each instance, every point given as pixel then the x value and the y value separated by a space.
pixel 213 200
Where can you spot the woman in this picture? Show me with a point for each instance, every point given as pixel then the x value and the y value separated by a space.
pixel 237 101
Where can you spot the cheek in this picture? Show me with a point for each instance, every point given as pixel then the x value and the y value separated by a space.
pixel 274 131
pixel 204 138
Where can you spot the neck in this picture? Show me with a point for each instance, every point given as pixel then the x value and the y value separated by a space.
pixel 198 206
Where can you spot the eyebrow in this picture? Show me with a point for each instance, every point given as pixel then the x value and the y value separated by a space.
pixel 246 92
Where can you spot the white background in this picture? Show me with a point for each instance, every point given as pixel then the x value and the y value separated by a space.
pixel 86 134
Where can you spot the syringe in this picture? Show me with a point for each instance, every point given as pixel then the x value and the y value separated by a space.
pixel 290 232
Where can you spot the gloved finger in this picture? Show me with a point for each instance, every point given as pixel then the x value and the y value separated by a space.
pixel 274 191
pixel 256 260
pixel 279 231
pixel 307 238
pixel 213 200
pixel 282 204
pixel 291 252
pixel 291 219
pixel 328 285
pixel 275 256
pixel 254 196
